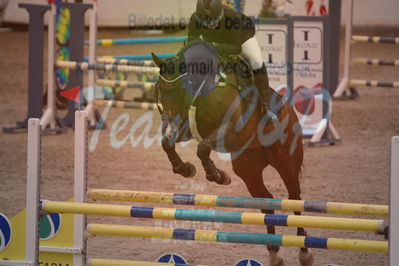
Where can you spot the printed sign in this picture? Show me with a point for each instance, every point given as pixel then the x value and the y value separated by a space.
pixel 272 39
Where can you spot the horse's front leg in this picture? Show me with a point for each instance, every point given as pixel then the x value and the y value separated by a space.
pixel 185 169
pixel 213 174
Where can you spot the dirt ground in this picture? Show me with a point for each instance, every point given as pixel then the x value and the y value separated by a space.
pixel 355 171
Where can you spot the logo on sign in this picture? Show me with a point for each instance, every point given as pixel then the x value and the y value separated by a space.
pixel 273 47
pixel 5 232
pixel 172 258
pixel 248 262
pixel 50 225
pixel 308 42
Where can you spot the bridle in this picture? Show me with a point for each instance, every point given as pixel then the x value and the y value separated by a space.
pixel 170 83
pixel 157 89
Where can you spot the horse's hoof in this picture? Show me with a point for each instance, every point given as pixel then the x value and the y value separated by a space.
pixel 221 177
pixel 306 258
pixel 275 260
pixel 226 178
pixel 189 170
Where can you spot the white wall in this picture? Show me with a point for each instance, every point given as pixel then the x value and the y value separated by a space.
pixel 376 13
pixel 116 12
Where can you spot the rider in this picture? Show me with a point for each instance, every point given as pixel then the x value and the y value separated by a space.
pixel 231 32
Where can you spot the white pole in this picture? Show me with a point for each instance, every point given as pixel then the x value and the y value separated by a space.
pixel 48 117
pixel 92 59
pixel 394 204
pixel 344 84
pixel 33 191
pixel 80 172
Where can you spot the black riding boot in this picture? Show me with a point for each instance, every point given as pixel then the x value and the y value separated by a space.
pixel 262 83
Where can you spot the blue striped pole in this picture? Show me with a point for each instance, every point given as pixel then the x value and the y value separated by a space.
pixel 374 83
pixel 238 237
pixel 105 60
pixel 135 57
pixel 143 57
pixel 106 67
pixel 376 62
pixel 130 41
pixel 375 39
pixel 215 216
pixel 128 105
pixel 239 202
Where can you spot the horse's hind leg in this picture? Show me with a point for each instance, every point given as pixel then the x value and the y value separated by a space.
pixel 249 167
pixel 290 172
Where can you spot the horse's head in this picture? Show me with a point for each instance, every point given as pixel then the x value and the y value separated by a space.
pixel 182 80
pixel 170 92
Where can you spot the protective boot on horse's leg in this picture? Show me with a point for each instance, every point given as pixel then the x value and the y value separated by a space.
pixel 262 84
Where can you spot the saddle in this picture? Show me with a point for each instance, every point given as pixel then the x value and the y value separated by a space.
pixel 245 78
pixel 199 56
pixel 241 68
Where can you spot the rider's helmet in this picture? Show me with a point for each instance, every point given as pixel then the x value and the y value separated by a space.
pixel 209 12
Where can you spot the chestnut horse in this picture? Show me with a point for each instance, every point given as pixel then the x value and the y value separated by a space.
pixel 225 116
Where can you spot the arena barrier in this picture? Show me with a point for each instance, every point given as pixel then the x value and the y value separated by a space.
pixel 78 251
pixel 347 85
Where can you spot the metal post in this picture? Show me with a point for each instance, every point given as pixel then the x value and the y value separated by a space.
pixel 76 45
pixel 334 17
pixel 33 191
pixel 90 109
pixel 344 84
pixel 394 204
pixel 80 188
pixel 50 120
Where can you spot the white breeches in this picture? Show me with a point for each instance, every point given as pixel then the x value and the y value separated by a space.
pixel 252 53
